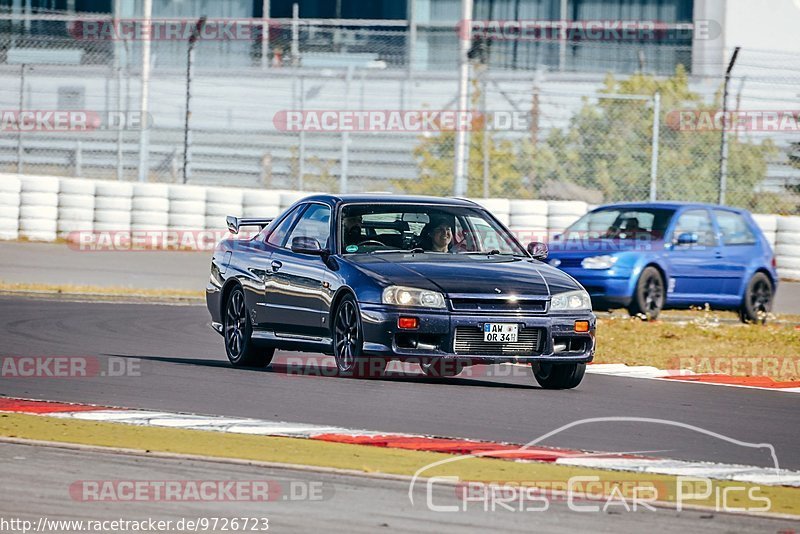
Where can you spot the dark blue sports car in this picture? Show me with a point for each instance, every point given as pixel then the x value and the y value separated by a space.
pixel 371 278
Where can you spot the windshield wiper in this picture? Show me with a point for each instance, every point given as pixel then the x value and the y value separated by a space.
pixel 396 250
pixel 493 252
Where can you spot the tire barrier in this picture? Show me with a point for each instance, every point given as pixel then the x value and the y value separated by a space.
pixel 44 208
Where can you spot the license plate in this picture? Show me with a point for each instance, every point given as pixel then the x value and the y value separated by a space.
pixel 500 332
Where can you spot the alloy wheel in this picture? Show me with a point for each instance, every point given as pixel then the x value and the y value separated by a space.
pixel 235 324
pixel 346 336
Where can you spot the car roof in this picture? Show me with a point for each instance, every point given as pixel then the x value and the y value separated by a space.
pixel 389 197
pixel 667 205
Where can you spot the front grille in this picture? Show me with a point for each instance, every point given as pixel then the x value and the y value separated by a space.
pixel 467 304
pixel 469 340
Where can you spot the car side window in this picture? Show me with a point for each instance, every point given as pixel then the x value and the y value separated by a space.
pixel 278 234
pixel 696 222
pixel 734 228
pixel 315 223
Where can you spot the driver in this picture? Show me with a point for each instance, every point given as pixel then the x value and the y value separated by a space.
pixel 438 235
pixel 351 230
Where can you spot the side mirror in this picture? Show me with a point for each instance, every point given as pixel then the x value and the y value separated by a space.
pixel 538 250
pixel 687 238
pixel 306 245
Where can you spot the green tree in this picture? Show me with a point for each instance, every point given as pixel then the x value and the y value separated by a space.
pixel 607 148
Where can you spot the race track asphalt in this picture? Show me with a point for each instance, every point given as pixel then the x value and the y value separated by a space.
pixel 181 366
pixel 35 484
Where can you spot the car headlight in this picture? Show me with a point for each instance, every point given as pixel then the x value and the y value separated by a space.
pixel 410 296
pixel 599 262
pixel 571 300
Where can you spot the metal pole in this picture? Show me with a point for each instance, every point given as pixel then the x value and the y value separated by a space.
pixel 118 68
pixel 187 142
pixel 78 158
pixel 301 151
pixel 723 151
pixel 654 150
pixel 484 87
pixel 562 41
pixel 460 185
pixel 119 127
pixel 412 34
pixel 19 117
pixel 265 34
pixel 295 34
pixel 144 133
pixel 345 158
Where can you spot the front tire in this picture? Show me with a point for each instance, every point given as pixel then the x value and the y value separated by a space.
pixel 558 375
pixel 648 297
pixel 757 301
pixel 348 343
pixel 238 330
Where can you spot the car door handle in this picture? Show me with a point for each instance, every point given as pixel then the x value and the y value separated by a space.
pixel 718 254
pixel 276 265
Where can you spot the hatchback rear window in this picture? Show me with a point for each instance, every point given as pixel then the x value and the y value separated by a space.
pixel 734 228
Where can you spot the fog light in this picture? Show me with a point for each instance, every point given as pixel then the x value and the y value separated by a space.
pixel 581 326
pixel 407 323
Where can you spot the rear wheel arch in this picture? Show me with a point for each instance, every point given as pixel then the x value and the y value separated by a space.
pixel 225 293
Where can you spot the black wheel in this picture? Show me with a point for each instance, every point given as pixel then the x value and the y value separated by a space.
pixel 558 375
pixel 348 343
pixel 757 302
pixel 440 367
pixel 241 350
pixel 648 298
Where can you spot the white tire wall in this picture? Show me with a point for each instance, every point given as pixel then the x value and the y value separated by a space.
pixel 112 206
pixel 187 192
pixel 38 208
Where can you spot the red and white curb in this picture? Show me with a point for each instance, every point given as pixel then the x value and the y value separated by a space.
pixel 686 375
pixel 506 451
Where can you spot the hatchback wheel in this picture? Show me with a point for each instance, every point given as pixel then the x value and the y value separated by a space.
pixel 648 297
pixel 241 350
pixel 558 375
pixel 757 302
pixel 348 343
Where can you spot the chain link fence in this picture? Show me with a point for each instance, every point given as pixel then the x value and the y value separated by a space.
pixel 372 106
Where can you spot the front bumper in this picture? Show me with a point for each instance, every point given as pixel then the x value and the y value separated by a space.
pixel 607 288
pixel 435 336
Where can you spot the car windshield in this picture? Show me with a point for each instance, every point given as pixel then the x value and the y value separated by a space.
pixel 421 228
pixel 619 223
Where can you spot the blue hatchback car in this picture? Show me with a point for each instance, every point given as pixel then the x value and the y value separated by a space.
pixel 650 256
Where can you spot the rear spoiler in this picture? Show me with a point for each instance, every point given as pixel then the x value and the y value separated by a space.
pixel 234 223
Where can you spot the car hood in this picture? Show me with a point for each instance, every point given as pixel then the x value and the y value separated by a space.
pixel 469 274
